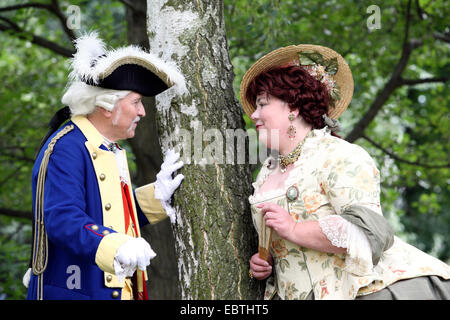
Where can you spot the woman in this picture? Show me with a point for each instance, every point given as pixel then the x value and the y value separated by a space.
pixel 316 208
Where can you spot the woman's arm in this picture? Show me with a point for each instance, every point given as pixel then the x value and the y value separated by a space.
pixel 306 234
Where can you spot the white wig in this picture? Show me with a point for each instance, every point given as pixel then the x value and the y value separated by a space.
pixel 83 98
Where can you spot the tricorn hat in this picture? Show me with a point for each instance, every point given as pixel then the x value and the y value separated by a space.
pixel 127 68
pixel 324 64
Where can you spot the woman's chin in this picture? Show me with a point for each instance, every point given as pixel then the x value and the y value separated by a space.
pixel 267 143
pixel 269 138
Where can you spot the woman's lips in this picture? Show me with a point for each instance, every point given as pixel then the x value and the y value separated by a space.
pixel 257 127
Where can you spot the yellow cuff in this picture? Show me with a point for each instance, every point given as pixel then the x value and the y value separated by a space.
pixel 151 206
pixel 107 249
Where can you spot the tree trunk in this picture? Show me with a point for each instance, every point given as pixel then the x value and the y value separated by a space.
pixel 163 274
pixel 214 236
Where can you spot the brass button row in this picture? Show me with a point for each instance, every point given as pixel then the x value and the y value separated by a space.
pixel 95 228
pixel 102 177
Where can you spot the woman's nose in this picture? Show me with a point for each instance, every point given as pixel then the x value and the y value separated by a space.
pixel 255 115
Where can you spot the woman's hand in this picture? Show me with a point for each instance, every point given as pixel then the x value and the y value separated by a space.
pixel 259 268
pixel 278 219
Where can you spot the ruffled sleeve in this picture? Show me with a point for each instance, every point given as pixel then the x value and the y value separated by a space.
pixel 351 182
pixel 344 234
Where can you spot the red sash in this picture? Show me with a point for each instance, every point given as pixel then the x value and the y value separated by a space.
pixel 128 211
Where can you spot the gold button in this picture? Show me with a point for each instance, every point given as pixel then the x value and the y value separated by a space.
pixel 102 176
pixel 94 155
pixel 108 206
pixel 105 232
pixel 115 294
pixel 94 227
pixel 109 278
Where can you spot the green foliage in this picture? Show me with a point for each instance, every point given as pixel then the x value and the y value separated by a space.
pixel 413 124
pixel 14 255
pixel 33 81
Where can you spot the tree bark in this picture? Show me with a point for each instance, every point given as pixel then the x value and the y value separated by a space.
pixel 214 236
pixel 163 279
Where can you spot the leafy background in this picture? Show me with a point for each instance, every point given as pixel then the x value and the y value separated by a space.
pixel 408 138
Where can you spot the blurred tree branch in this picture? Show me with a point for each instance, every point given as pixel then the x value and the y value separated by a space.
pixel 53 8
pixel 442 36
pixel 396 80
pixel 16 157
pixel 411 82
pixel 129 4
pixel 397 158
pixel 15 213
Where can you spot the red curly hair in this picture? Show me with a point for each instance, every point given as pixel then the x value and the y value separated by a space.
pixel 298 88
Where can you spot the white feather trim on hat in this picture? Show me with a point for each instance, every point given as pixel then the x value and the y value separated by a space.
pixel 92 62
pixel 89 48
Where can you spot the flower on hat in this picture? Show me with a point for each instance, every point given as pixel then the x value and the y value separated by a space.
pixel 321 70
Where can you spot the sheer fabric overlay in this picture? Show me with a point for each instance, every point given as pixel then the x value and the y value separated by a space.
pixel 344 234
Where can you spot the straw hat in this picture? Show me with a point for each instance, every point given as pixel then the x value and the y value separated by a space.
pixel 324 64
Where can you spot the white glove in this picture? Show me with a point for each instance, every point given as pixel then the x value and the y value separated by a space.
pixel 26 278
pixel 135 253
pixel 165 186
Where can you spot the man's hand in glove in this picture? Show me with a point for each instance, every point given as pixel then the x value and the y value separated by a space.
pixel 165 185
pixel 133 254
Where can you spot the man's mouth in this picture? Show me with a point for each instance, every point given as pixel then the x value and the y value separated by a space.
pixel 134 123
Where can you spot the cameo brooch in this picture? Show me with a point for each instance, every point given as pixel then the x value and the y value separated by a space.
pixel 292 193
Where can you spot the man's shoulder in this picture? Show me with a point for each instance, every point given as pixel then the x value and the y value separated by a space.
pixel 69 142
pixel 72 138
pixel 68 148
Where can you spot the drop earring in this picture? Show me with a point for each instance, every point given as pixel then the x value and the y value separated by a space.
pixel 291 131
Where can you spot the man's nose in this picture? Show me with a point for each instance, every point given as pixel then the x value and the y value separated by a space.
pixel 141 111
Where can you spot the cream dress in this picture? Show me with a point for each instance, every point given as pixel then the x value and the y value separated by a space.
pixel 330 176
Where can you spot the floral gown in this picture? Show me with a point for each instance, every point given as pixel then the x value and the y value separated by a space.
pixel 330 176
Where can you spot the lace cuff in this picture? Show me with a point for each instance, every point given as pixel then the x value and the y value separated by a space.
pixel 344 234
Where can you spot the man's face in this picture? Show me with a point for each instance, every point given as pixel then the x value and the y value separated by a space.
pixel 126 115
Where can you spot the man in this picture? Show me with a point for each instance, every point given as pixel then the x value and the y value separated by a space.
pixel 86 242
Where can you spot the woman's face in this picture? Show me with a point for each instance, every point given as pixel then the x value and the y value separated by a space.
pixel 271 120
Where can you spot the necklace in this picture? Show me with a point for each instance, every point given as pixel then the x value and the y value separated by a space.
pixel 284 161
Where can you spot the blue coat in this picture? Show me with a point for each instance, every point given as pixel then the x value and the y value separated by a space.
pixel 83 206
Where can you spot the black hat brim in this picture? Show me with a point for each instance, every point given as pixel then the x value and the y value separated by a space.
pixel 135 78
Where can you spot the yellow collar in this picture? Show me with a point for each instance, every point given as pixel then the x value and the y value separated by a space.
pixel 88 129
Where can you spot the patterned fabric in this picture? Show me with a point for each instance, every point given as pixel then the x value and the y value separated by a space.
pixel 332 175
